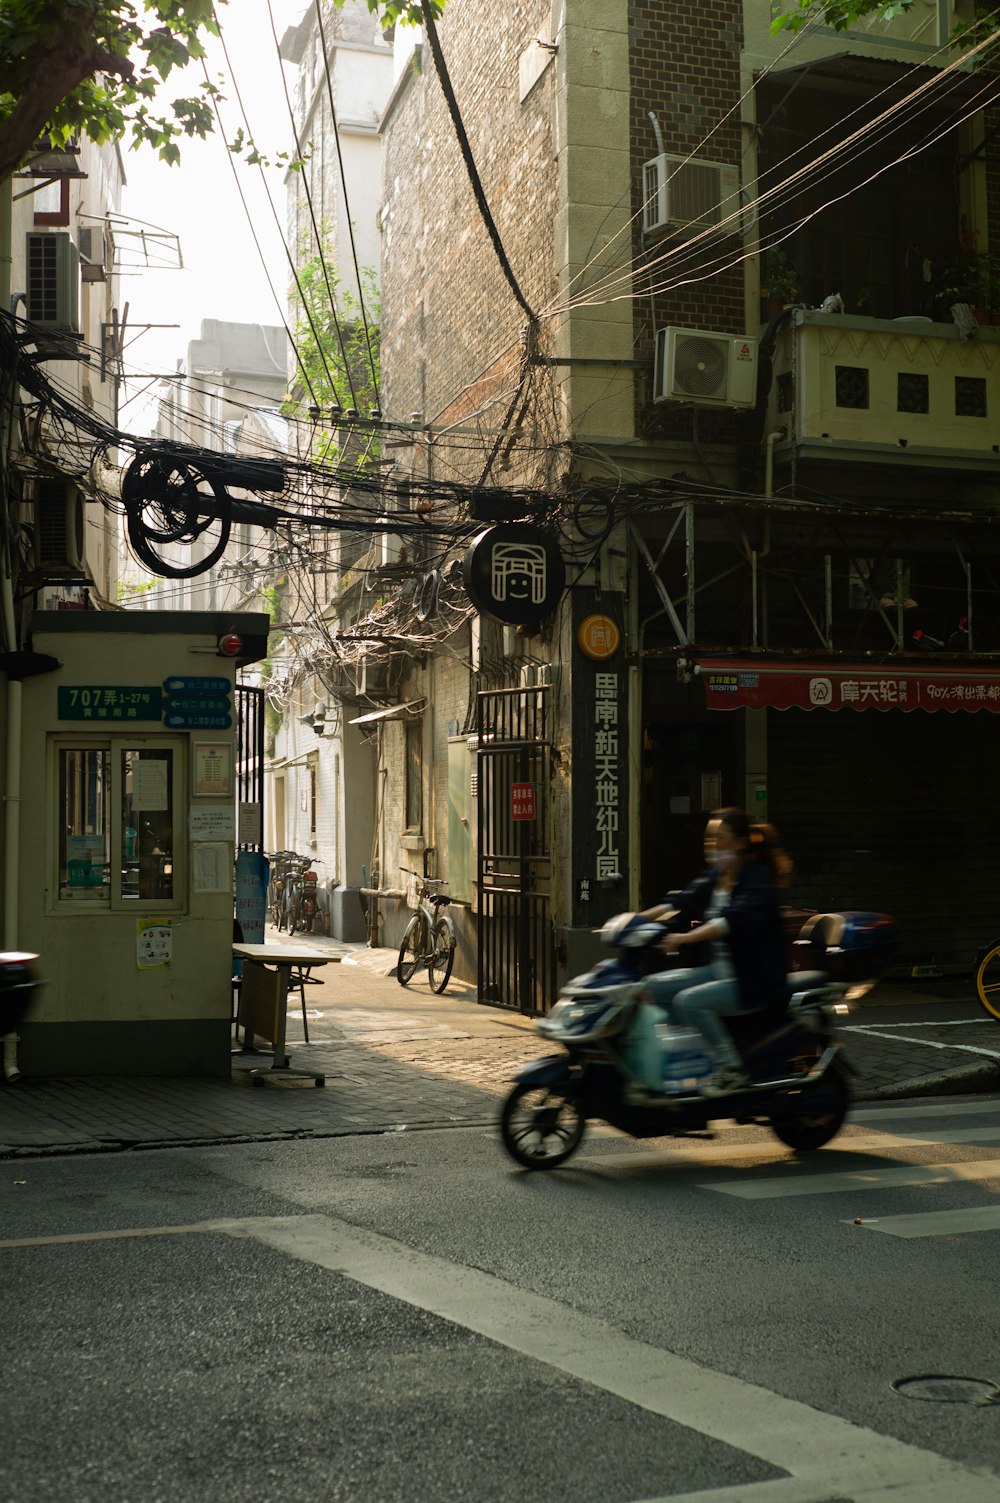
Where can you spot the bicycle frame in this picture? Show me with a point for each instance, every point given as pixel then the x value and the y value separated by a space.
pixel 429 939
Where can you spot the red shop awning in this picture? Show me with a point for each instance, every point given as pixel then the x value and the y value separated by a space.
pixel 742 683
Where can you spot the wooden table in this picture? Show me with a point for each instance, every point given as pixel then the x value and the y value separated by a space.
pixel 264 1001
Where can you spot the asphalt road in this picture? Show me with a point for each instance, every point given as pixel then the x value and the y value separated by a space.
pixel 408 1316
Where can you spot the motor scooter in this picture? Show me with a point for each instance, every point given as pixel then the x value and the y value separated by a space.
pixel 799 1074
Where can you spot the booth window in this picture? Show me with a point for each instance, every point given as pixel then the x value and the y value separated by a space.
pixel 118 840
pixel 147 824
pixel 84 831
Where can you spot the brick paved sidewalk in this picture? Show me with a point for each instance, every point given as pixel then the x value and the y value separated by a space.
pixel 398 1059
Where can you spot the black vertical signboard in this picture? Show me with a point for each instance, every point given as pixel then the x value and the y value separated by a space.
pixel 599 772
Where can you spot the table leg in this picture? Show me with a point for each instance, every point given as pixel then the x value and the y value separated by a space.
pixel 281 1065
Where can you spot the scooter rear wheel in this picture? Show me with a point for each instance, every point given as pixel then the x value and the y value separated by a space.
pixel 541 1126
pixel 812 1130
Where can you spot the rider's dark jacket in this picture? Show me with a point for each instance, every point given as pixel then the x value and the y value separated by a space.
pixel 756 936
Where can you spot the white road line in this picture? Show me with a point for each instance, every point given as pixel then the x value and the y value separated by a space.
pixel 877 1033
pixel 937 1223
pixel 980 1022
pixel 894 1175
pixel 827 1456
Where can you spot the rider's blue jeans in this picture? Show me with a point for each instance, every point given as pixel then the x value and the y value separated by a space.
pixel 697 997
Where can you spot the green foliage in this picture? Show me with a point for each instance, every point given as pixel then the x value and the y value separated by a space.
pixel 334 364
pixel 97 66
pixel 840 14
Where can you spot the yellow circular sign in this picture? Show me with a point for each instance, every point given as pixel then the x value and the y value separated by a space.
pixel 599 637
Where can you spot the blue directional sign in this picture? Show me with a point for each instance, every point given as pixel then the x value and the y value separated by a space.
pixel 194 719
pixel 196 686
pixel 218 705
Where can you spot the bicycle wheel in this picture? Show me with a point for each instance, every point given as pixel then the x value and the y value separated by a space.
pixel 411 951
pixel 442 956
pixel 988 982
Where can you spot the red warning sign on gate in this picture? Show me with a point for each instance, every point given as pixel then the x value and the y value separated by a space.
pixel 522 800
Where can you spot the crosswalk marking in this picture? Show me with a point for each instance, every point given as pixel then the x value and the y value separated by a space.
pixel 697 1151
pixel 856 1179
pixel 938 1109
pixel 903 1038
pixel 936 1223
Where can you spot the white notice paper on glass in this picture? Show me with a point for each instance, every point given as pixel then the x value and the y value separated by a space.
pixel 212 866
pixel 215 822
pixel 149 784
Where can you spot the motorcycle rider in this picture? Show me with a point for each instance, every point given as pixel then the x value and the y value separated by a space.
pixel 738 930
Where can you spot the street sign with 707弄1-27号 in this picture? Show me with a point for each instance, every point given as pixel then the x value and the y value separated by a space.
pixel 118 702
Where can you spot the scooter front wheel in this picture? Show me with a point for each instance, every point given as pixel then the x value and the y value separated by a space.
pixel 813 1129
pixel 988 982
pixel 541 1126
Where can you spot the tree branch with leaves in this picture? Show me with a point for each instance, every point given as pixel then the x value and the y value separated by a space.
pixel 97 67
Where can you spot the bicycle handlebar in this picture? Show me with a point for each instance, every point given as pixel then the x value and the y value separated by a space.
pixel 427 881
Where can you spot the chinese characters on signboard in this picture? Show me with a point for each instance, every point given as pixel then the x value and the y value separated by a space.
pixel 853 688
pixel 522 801
pixel 606 774
pixel 108 702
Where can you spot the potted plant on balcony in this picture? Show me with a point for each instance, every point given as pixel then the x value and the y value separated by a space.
pixel 975 280
pixel 781 282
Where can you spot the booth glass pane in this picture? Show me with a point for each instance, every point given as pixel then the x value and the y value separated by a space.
pixel 84 829
pixel 147 824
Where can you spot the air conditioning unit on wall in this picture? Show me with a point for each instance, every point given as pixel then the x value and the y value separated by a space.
pixel 709 370
pixel 685 193
pixel 53 290
pixel 59 530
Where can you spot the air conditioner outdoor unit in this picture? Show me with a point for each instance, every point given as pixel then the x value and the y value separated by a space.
pixel 710 370
pixel 53 290
pixel 685 193
pixel 59 529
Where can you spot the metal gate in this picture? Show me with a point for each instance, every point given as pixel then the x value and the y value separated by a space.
pixel 517 963
pixel 250 761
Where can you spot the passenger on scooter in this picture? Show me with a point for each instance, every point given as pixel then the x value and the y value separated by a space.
pixel 740 934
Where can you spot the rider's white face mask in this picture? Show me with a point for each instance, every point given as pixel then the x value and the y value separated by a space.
pixel 723 860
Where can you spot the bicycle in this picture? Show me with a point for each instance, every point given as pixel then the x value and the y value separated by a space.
pixel 430 937
pixel 302 884
pixel 279 890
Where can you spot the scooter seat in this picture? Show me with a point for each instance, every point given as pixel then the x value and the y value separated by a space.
pixel 805 981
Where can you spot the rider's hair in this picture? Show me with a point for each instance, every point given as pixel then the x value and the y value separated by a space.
pixel 764 845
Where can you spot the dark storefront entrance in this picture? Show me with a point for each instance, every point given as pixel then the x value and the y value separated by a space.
pixel 883 782
pixel 690 765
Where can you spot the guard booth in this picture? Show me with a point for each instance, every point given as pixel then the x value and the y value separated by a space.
pixel 128 825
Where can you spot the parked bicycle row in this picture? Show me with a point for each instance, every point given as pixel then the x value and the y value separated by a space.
pixel 293 893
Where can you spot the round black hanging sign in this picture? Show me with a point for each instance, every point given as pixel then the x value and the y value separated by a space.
pixel 514 572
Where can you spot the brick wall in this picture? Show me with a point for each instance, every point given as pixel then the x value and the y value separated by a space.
pixel 686 70
pixel 448 312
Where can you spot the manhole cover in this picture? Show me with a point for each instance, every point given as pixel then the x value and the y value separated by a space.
pixel 940 1388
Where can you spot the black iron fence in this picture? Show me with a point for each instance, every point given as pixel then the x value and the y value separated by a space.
pixel 516 960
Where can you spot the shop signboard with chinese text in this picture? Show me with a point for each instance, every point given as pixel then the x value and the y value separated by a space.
pixel 600 789
pixel 742 684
